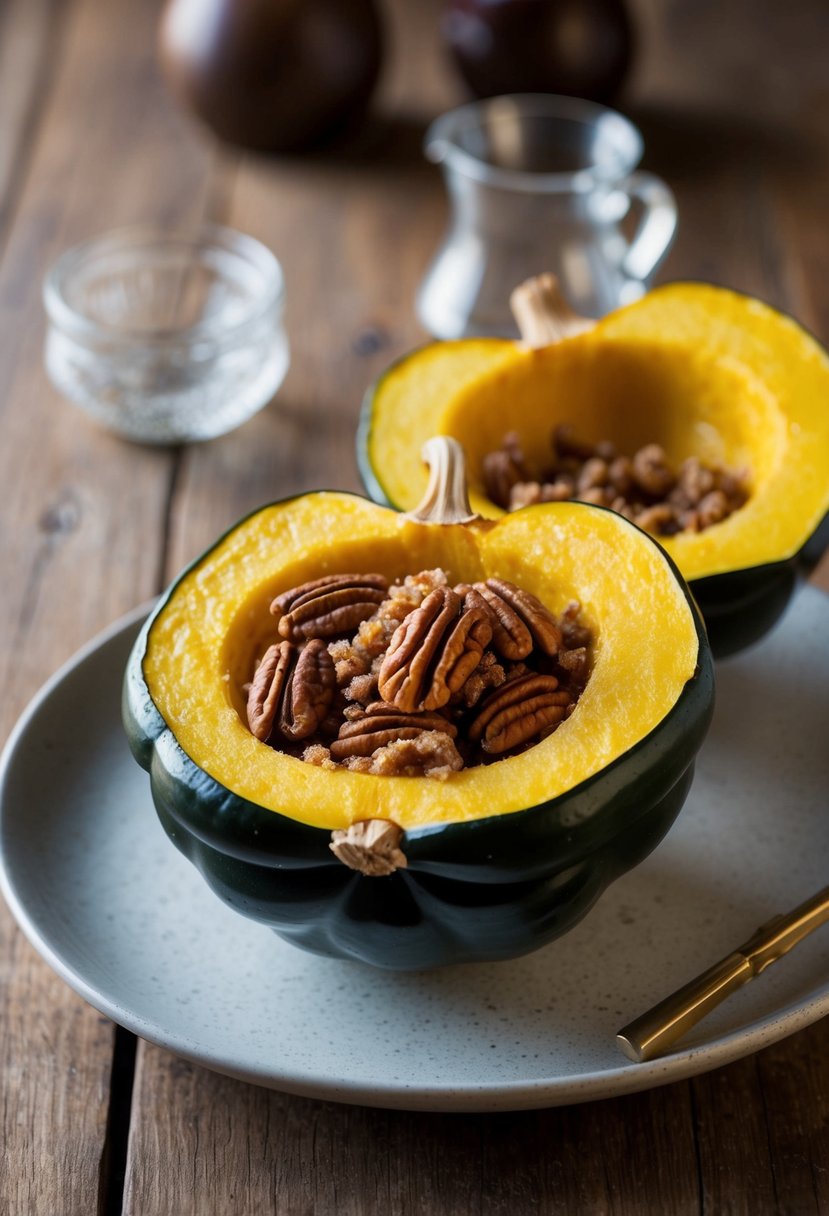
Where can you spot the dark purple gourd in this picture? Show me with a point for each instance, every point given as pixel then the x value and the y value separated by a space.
pixel 581 48
pixel 273 75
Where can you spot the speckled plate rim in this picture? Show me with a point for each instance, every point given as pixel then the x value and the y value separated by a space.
pixel 475 1097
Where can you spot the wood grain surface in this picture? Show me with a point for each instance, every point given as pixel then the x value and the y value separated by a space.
pixel 733 101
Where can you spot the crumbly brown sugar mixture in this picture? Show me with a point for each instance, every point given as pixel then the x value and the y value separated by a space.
pixel 415 678
pixel 643 487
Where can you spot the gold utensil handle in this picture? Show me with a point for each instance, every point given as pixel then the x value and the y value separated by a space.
pixel 655 1031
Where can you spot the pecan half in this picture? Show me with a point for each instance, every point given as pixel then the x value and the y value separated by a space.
pixel 328 606
pixel 382 724
pixel 266 688
pixel 510 636
pixel 503 469
pixel 518 620
pixel 500 476
pixel 292 690
pixel 651 471
pixel 433 652
pixel 518 712
pixel 309 690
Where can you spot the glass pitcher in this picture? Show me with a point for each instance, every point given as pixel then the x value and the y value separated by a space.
pixel 540 183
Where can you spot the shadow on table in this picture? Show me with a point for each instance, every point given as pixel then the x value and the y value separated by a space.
pixel 688 143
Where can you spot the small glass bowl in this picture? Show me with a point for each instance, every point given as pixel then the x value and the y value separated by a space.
pixel 167 337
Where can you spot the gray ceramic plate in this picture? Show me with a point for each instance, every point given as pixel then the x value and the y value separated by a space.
pixel 116 911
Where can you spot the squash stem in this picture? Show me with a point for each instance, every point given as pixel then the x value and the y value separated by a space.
pixel 543 315
pixel 446 500
pixel 370 846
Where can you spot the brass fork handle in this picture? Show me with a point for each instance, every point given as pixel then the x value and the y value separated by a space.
pixel 656 1031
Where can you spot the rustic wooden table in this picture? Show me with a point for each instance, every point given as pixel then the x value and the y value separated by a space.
pixel 733 99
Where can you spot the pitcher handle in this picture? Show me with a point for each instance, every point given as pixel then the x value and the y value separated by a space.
pixel 656 227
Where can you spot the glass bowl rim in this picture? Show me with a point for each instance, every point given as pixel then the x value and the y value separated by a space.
pixel 76 324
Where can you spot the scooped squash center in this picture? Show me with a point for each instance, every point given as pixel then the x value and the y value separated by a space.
pixel 702 371
pixel 200 649
pixel 629 394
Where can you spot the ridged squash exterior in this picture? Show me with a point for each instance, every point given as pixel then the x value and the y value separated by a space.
pixel 500 858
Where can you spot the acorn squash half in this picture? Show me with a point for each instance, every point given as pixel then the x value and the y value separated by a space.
pixel 495 860
pixel 701 370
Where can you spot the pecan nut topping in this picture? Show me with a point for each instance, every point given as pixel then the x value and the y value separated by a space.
pixel 292 690
pixel 266 689
pixel 644 487
pixel 433 652
pixel 528 493
pixel 309 691
pixel 651 471
pixel 382 724
pixel 519 711
pixel 435 678
pixel 510 636
pixel 504 469
pixel 327 607
pixel 519 620
pixel 501 474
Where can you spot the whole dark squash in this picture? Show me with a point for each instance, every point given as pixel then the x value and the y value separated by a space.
pixel 703 371
pixel 497 859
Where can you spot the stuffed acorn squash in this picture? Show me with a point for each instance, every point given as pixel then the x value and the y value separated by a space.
pixel 491 862
pixel 701 371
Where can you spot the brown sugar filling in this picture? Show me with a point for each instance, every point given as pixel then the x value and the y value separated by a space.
pixel 417 677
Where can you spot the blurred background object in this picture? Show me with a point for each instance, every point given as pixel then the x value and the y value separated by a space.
pixel 537 180
pixel 582 48
pixel 273 75
pixel 165 337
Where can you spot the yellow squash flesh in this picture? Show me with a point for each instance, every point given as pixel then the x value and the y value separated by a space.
pixel 701 370
pixel 203 646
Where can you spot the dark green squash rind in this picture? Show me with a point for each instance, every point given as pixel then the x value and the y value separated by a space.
pixel 414 920
pixel 740 607
pixel 365 466
pixel 486 889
